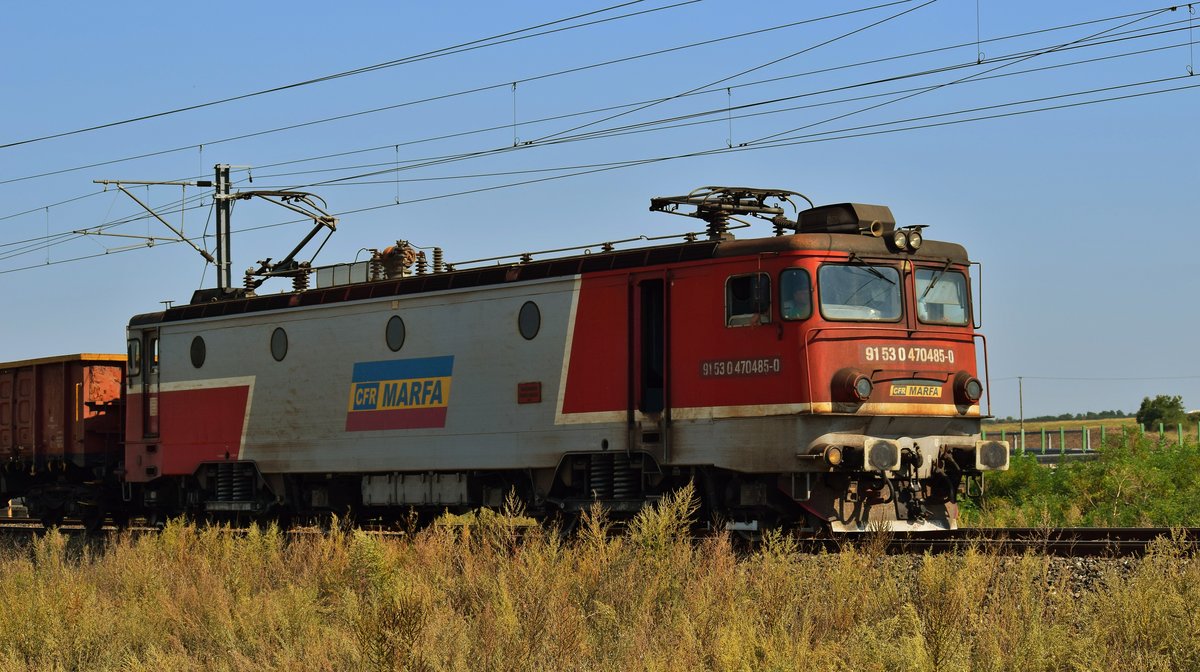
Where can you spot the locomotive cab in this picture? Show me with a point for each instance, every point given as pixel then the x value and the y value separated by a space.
pixel 856 343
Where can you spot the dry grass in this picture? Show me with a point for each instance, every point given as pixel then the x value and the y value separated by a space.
pixel 495 595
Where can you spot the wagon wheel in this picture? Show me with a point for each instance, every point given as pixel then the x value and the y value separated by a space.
pixel 120 518
pixel 92 515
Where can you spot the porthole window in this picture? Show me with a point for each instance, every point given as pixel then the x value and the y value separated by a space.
pixel 529 321
pixel 198 352
pixel 395 333
pixel 279 344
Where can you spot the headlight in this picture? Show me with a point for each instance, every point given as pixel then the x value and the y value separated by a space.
pixel 852 385
pixel 900 239
pixel 915 239
pixel 967 388
pixel 862 388
pixel 833 456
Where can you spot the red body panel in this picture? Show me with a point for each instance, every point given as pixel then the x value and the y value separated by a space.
pixel 599 360
pixel 196 425
pixel 783 363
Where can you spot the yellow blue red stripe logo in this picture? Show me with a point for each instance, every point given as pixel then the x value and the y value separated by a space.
pixel 400 394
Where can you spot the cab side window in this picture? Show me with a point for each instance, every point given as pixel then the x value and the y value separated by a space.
pixel 134 364
pixel 795 294
pixel 748 300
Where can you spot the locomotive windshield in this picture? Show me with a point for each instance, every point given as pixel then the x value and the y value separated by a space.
pixel 941 297
pixel 859 292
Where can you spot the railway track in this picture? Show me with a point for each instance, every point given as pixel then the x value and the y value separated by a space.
pixel 1074 542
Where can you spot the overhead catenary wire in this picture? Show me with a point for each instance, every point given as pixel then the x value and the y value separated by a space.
pixel 487 129
pixel 668 122
pixel 960 80
pixel 1096 378
pixel 444 51
pixel 356 181
pixel 447 96
pixel 63 237
pixel 747 71
pixel 506 149
pixel 1129 35
pixel 934 70
pixel 638 162
pixel 446 136
pixel 339 180
pixel 1110 30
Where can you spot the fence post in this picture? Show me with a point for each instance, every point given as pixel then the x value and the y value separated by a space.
pixel 1023 441
pixel 983 433
pixel 1002 432
pixel 1043 440
pixel 1179 431
pixel 1087 439
pixel 1062 439
pixel 1103 434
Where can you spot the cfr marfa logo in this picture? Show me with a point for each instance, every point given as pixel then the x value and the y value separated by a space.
pixel 400 394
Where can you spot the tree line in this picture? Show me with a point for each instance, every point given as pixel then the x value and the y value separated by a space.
pixel 1164 408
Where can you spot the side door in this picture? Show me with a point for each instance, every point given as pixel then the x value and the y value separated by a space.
pixel 648 411
pixel 150 375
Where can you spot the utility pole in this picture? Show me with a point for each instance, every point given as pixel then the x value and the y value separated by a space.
pixel 1021 402
pixel 223 207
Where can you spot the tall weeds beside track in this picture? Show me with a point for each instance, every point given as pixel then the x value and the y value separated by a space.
pixel 494 595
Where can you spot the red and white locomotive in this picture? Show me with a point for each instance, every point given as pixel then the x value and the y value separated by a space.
pixel 823 377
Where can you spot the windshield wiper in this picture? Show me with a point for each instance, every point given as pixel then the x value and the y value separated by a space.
pixel 937 276
pixel 871 269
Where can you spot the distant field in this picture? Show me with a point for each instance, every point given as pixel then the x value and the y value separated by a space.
pixel 1077 434
pixel 1110 423
pixel 1067 424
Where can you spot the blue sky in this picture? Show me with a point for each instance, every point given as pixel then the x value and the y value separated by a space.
pixel 1086 219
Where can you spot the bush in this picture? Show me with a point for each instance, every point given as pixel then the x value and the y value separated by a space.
pixel 1165 409
pixel 1135 481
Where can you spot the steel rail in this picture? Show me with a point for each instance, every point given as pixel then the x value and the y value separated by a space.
pixel 1073 542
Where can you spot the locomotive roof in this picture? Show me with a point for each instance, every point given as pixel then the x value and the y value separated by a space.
pixel 860 245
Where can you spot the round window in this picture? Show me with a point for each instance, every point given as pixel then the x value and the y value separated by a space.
pixel 529 321
pixel 279 344
pixel 198 352
pixel 395 333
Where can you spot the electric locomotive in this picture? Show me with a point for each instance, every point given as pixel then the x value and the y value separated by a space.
pixel 823 377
